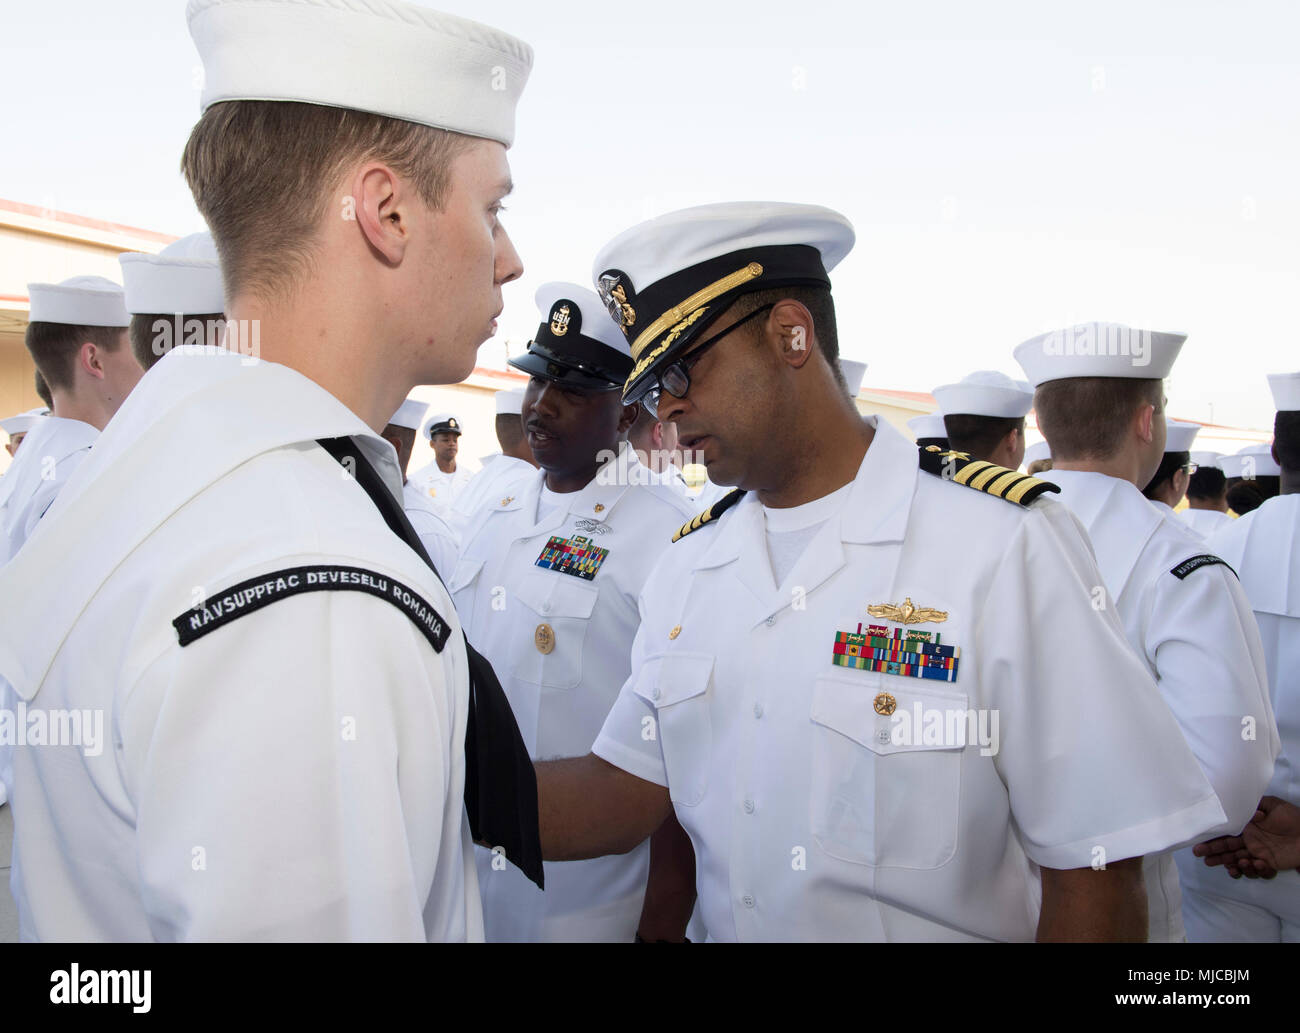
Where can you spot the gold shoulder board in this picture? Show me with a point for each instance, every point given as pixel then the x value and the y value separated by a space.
pixel 1011 485
pixel 712 513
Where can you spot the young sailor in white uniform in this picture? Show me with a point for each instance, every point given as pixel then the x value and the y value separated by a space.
pixel 436 535
pixel 444 478
pixel 1207 495
pixel 230 577
pixel 547 587
pixel 984 416
pixel 818 651
pixel 1168 485
pixel 502 472
pixel 1100 402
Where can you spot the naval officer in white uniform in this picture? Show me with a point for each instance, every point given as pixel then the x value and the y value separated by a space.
pixel 547 587
pixel 1100 402
pixel 230 576
pixel 827 687
pixel 1264 548
pixel 77 338
pixel 444 479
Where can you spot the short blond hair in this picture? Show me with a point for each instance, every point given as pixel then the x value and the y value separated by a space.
pixel 261 172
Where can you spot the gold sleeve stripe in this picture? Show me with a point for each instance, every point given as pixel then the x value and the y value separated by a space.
pixel 982 479
pixel 701 297
pixel 1018 492
pixel 1000 486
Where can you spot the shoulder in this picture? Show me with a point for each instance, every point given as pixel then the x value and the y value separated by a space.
pixel 712 515
pixel 662 499
pixel 978 475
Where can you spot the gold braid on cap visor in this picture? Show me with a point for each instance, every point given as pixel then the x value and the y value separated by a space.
pixel 683 315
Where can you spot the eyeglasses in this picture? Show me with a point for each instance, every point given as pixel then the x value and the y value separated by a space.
pixel 1189 468
pixel 676 377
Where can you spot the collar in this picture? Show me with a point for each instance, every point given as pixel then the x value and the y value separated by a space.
pixel 197 415
pixel 1119 518
pixel 51 437
pixel 595 501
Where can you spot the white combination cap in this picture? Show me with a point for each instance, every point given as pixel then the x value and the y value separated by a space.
pixel 665 281
pixel 440 423
pixel 183 277
pixel 80 301
pixel 1038 450
pixel 409 414
pixel 1179 435
pixel 382 56
pixel 985 393
pixel 1099 350
pixel 577 343
pixel 1207 460
pixel 1286 391
pixel 22 423
pixel 510 403
pixel 853 371
pixel 1257 461
pixel 928 426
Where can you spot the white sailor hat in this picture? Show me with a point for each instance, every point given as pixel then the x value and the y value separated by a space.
pixel 1038 450
pixel 929 425
pixel 667 280
pixel 382 56
pixel 409 414
pixel 1257 461
pixel 80 301
pixel 985 393
pixel 1208 460
pixel 853 371
pixel 1286 391
pixel 1099 350
pixel 440 423
pixel 1179 435
pixel 576 344
pixel 510 403
pixel 184 277
pixel 22 422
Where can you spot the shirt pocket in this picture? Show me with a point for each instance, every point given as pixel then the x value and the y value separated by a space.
pixel 556 613
pixel 464 575
pixel 677 687
pixel 885 792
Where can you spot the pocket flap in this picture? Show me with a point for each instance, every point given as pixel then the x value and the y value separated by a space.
pixel 556 595
pixel 673 677
pixel 465 572
pixel 920 719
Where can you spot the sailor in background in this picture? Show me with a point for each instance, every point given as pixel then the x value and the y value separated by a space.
pixel 850 586
pixel 1183 609
pixel 1264 548
pixel 1168 485
pixel 174 297
pixel 436 534
pixel 1253 477
pixel 1207 495
pixel 501 472
pixel 1038 458
pixel 18 425
pixel 443 479
pixel 547 587
pixel 77 338
pixel 929 429
pixel 984 416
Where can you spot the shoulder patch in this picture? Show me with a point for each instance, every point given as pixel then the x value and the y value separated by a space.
pixel 251 595
pixel 960 468
pixel 1196 562
pixel 712 513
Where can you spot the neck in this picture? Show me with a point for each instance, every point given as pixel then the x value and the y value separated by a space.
pixel 1290 483
pixel 833 438
pixel 318 332
pixel 1125 467
pixel 1217 505
pixel 69 406
pixel 448 467
pixel 562 482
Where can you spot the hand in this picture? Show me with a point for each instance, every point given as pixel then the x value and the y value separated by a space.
pixel 1232 853
pixel 1273 835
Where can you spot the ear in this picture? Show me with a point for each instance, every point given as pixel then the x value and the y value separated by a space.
pixel 794 326
pixel 395 441
pixel 628 417
pixel 1144 422
pixel 381 206
pixel 90 360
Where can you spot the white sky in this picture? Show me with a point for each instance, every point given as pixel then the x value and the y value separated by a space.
pixel 1010 167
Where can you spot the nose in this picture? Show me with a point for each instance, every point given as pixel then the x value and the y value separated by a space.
pixel 670 407
pixel 509 266
pixel 544 401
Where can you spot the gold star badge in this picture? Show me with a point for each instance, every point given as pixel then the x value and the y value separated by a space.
pixel 885 704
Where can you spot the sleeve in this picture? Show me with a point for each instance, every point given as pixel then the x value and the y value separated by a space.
pixel 1094 764
pixel 1204 643
pixel 629 738
pixel 294 778
pixel 438 539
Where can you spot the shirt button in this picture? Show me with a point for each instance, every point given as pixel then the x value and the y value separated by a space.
pixel 747 900
pixel 770 621
pixel 749 806
pixel 758 709
pixel 654 693
pixel 546 607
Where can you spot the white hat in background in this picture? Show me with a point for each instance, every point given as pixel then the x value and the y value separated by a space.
pixel 1099 350
pixel 1286 391
pixel 665 281
pixel 389 58
pixel 1258 461
pixel 853 372
pixel 1179 435
pixel 576 343
pixel 183 277
pixel 1208 460
pixel 1038 450
pixel 985 393
pixel 929 425
pixel 23 421
pixel 510 403
pixel 80 301
pixel 409 414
